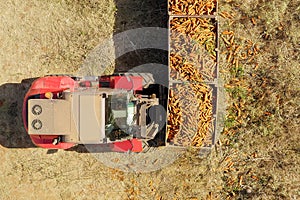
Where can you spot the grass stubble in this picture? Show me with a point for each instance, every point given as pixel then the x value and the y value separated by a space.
pixel 258 155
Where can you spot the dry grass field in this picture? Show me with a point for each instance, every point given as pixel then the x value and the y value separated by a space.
pixel 258 155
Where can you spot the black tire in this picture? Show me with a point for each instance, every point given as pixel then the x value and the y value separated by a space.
pixel 147 78
pixel 147 148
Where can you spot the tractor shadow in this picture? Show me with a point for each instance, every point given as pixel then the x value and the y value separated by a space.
pixel 12 131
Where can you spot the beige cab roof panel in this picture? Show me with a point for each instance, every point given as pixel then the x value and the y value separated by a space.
pixel 91 119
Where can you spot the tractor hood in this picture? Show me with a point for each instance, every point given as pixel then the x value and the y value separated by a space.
pixel 79 117
pixel 49 117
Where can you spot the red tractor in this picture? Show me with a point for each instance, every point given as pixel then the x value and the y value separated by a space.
pixel 121 111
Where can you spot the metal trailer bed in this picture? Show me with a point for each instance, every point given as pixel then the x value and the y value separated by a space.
pixel 214 84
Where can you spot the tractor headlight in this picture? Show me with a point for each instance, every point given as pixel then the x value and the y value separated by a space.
pixel 37 124
pixel 37 109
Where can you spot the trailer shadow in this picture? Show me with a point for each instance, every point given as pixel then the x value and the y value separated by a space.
pixel 132 15
pixel 12 131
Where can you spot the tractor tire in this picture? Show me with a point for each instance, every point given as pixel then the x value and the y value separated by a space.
pixel 147 148
pixel 147 78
